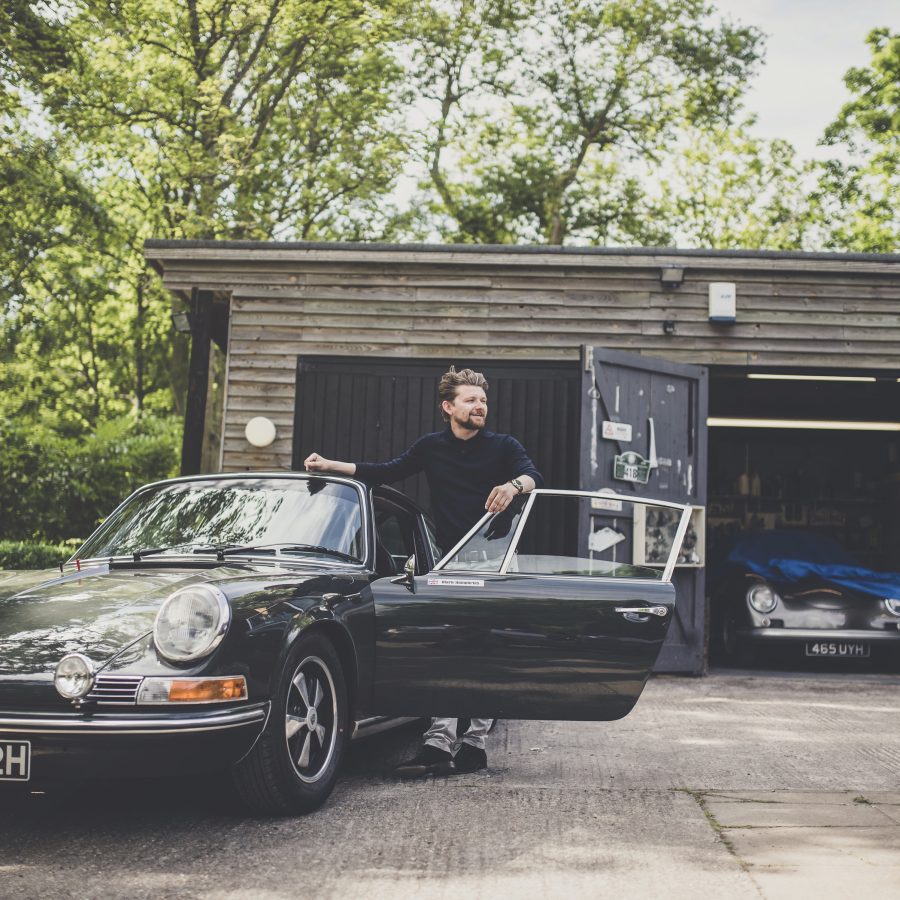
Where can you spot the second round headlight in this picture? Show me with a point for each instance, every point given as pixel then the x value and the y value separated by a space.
pixel 762 598
pixel 191 623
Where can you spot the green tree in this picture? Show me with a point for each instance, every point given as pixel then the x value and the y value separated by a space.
pixel 728 188
pixel 197 119
pixel 543 104
pixel 858 195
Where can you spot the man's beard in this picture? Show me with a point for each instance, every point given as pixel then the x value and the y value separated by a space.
pixel 469 425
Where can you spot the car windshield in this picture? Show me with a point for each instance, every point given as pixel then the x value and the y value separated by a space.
pixel 296 517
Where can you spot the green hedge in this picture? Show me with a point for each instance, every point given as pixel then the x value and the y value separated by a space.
pixel 33 554
pixel 54 486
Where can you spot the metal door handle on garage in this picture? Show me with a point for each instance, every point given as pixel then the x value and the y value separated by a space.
pixel 643 610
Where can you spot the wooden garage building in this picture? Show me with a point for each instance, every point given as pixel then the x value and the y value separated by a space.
pixel 340 345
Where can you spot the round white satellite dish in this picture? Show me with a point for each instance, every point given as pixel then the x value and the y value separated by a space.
pixel 260 431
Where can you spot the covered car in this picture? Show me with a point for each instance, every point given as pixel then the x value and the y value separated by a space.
pixel 803 592
pixel 253 624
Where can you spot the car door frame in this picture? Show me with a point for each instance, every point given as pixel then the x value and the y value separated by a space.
pixel 438 652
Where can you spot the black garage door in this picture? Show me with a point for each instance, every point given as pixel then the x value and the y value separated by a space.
pixel 372 409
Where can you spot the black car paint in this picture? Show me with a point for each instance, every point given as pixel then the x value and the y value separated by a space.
pixel 480 650
pixel 273 602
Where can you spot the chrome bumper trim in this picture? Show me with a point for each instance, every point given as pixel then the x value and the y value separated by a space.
pixel 233 718
pixel 817 634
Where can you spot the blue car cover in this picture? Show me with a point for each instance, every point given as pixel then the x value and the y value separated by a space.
pixel 783 556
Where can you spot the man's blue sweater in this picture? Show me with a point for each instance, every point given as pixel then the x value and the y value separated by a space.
pixel 460 474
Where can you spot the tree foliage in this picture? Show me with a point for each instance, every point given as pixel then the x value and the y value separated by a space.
pixel 727 188
pixel 170 119
pixel 54 487
pixel 576 89
pixel 539 121
pixel 858 197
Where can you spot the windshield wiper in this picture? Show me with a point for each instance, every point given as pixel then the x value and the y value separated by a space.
pixel 274 548
pixel 138 555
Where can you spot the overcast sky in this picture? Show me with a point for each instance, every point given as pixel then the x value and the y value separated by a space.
pixel 810 45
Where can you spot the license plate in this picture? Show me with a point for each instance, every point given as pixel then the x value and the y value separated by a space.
pixel 15 760
pixel 837 648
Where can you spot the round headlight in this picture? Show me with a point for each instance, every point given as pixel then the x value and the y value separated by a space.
pixel 762 598
pixel 892 605
pixel 74 676
pixel 191 623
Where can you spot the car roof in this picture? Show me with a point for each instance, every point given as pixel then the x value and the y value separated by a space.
pixel 389 493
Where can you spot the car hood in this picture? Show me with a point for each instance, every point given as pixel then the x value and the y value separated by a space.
pixel 96 611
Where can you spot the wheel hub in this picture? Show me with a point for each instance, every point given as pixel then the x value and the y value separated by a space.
pixel 312 719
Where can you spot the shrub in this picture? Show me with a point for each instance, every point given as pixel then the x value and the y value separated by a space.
pixel 53 486
pixel 33 554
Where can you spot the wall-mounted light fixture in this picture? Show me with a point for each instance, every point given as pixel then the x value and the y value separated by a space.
pixel 671 278
pixel 260 431
pixel 181 322
pixel 669 326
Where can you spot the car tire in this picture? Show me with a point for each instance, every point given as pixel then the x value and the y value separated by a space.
pixel 293 766
pixel 734 652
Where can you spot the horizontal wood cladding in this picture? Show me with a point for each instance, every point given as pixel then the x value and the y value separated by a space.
pixel 832 313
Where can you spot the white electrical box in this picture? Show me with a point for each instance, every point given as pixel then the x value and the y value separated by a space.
pixel 722 302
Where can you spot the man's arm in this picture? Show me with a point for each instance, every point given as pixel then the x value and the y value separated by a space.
pixel 408 463
pixel 316 463
pixel 502 495
pixel 525 473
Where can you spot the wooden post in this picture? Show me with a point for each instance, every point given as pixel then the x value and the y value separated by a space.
pixel 198 382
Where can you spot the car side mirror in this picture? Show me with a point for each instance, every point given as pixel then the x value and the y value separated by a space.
pixel 409 571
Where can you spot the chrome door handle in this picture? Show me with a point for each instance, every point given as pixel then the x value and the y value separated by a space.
pixel 643 610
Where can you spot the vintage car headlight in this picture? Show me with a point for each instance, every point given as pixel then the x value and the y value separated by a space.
pixel 892 605
pixel 191 623
pixel 762 598
pixel 74 676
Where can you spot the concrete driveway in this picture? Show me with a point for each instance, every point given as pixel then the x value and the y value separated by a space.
pixel 736 785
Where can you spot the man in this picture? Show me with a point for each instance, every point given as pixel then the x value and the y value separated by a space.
pixel 469 471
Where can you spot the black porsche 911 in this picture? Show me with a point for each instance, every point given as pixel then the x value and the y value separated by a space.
pixel 801 593
pixel 255 623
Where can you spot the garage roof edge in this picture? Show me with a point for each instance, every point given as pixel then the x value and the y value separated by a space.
pixel 153 246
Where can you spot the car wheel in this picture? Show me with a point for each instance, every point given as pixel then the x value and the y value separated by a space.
pixel 733 651
pixel 293 766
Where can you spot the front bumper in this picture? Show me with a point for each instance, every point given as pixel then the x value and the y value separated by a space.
pixel 95 744
pixel 879 641
pixel 771 636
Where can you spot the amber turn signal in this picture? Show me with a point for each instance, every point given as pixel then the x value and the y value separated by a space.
pixel 207 690
pixel 193 690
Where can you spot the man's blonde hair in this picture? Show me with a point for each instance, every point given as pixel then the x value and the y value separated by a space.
pixel 452 381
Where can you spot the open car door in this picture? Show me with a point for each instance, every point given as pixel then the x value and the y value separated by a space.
pixel 516 622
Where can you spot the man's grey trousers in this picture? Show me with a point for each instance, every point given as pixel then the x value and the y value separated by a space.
pixel 442 734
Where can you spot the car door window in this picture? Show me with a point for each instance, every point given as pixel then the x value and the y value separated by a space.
pixel 596 537
pixel 394 537
pixel 485 550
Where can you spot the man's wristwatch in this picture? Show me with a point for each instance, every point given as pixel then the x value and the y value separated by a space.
pixel 517 484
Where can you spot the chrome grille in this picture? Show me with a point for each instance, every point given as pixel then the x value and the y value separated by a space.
pixel 115 689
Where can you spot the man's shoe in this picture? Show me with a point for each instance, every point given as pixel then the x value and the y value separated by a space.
pixel 470 759
pixel 428 761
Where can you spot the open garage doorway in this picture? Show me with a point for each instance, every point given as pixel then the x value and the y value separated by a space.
pixel 803 528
